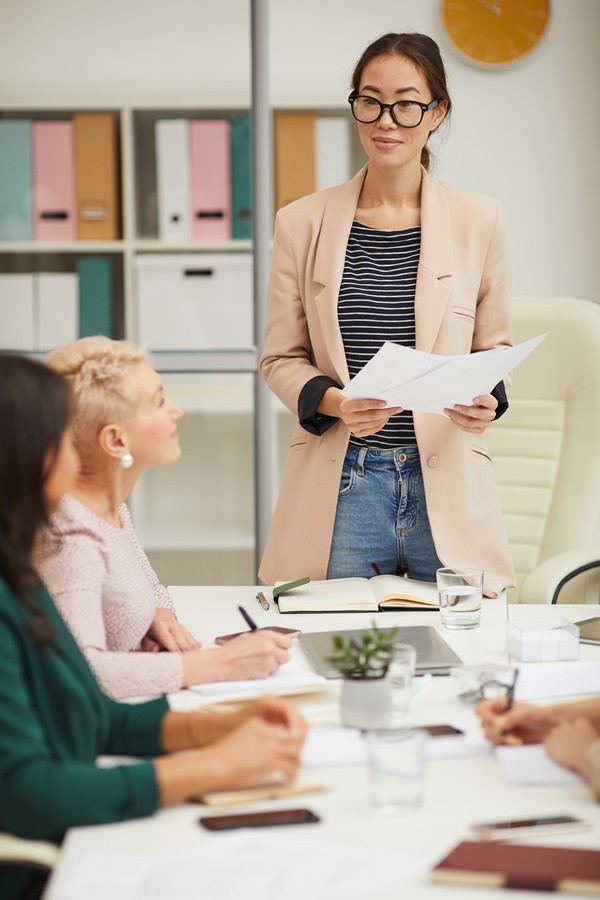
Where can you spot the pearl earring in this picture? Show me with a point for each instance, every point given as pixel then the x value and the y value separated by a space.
pixel 126 460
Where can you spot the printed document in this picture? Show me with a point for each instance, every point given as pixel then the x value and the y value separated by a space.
pixel 427 382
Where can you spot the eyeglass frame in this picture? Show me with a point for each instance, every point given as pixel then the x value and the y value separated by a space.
pixel 425 107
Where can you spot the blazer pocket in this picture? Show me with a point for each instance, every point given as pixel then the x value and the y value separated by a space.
pixel 482 453
pixel 297 445
pixel 462 312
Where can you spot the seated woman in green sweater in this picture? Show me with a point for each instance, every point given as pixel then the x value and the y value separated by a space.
pixel 54 719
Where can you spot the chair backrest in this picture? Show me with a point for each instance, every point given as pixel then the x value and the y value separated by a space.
pixel 546 448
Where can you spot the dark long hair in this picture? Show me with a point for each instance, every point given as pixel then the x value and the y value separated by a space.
pixel 423 52
pixel 34 413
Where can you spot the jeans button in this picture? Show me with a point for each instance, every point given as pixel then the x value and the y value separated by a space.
pixel 402 457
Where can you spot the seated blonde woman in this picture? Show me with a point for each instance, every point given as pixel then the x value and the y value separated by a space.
pixel 90 558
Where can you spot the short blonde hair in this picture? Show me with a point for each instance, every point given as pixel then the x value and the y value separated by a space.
pixel 97 370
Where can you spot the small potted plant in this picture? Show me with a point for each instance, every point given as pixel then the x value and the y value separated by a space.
pixel 363 661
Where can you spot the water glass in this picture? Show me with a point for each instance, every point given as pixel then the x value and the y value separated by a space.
pixel 401 672
pixel 460 590
pixel 397 769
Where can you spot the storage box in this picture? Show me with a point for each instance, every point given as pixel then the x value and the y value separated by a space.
pixel 194 301
pixel 543 640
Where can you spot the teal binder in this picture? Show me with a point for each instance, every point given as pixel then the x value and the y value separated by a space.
pixel 16 193
pixel 241 177
pixel 95 296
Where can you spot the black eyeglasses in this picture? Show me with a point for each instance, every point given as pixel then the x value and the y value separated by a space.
pixel 406 113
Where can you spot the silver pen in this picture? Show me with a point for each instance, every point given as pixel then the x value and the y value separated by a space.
pixel 263 600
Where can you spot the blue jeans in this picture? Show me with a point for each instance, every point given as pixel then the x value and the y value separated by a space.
pixel 381 517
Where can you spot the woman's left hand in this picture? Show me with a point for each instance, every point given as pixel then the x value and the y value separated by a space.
pixel 569 743
pixel 476 418
pixel 166 633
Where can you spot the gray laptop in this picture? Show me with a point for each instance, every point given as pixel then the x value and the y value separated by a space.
pixel 433 653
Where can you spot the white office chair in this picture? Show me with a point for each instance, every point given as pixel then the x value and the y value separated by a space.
pixel 546 452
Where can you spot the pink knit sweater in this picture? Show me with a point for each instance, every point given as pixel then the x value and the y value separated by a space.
pixel 107 592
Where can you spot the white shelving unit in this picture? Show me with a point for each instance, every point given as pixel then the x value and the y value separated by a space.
pixel 196 519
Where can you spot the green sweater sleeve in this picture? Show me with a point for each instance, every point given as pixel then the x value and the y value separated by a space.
pixel 54 722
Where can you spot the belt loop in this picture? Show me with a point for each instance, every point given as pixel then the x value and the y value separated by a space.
pixel 360 460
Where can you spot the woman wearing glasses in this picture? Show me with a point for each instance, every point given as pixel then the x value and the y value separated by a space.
pixel 392 255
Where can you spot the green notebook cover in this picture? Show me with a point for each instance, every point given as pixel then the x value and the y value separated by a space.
pixel 95 296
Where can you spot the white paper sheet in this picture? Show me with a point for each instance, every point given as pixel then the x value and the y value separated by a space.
pixel 545 680
pixel 266 867
pixel 289 676
pixel 345 747
pixel 427 382
pixel 531 764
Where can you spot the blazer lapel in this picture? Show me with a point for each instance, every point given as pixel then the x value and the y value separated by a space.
pixel 329 265
pixel 433 290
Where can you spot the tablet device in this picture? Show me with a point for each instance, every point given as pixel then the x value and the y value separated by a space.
pixel 589 630
pixel 433 653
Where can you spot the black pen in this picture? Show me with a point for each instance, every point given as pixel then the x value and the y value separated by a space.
pixel 510 694
pixel 263 600
pixel 249 620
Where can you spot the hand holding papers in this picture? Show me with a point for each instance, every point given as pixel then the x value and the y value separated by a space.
pixel 427 382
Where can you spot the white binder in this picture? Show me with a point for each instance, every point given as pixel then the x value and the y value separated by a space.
pixel 173 179
pixel 194 301
pixel 332 151
pixel 57 302
pixel 17 312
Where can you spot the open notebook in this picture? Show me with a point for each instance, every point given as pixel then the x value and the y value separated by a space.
pixel 382 592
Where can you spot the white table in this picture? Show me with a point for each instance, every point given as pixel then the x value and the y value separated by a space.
pixel 458 791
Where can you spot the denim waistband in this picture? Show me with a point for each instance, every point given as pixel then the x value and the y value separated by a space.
pixel 370 457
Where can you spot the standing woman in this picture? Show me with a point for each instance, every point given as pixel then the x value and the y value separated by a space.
pixel 54 719
pixel 392 255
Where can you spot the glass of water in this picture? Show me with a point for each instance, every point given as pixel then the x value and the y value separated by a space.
pixel 397 767
pixel 401 672
pixel 460 589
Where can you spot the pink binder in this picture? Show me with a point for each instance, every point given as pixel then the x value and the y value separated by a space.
pixel 53 181
pixel 210 165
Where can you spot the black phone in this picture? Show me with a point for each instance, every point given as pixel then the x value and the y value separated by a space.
pixel 259 819
pixel 520 828
pixel 278 628
pixel 440 730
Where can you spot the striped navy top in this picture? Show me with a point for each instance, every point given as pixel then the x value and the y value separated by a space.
pixel 377 304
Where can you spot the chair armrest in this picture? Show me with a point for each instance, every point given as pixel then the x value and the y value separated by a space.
pixel 545 582
pixel 19 850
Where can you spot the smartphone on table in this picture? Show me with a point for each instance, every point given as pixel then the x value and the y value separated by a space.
pixel 515 829
pixel 222 638
pixel 440 730
pixel 259 819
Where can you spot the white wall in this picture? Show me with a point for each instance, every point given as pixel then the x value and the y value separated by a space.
pixel 529 134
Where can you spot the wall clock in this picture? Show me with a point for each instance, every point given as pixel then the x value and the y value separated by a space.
pixel 495 33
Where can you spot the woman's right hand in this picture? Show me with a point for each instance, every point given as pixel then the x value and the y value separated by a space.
pixel 522 724
pixel 253 655
pixel 253 754
pixel 361 417
pixel 365 417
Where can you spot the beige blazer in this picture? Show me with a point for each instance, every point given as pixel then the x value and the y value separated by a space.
pixel 462 304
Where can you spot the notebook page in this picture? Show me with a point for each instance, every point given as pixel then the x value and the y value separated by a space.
pixel 545 680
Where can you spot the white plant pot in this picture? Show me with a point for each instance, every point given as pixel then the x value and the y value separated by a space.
pixel 366 702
